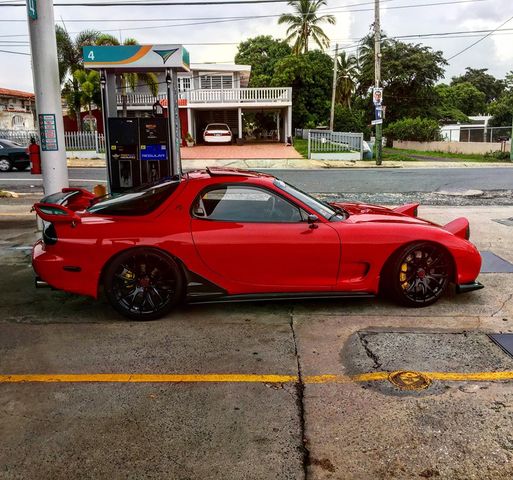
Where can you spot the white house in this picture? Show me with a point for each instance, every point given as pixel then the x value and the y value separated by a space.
pixel 218 93
pixel 17 110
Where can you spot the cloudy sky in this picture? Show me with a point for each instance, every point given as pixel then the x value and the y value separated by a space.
pixel 354 20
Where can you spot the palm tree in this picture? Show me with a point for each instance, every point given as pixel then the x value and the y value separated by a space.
pixel 304 22
pixel 69 55
pixel 130 80
pixel 346 78
pixel 89 88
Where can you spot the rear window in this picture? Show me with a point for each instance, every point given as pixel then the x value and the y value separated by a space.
pixel 218 126
pixel 136 202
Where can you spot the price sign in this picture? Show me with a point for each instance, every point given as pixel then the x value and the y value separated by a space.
pixel 48 132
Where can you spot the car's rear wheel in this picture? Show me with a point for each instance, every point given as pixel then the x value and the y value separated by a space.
pixel 419 274
pixel 143 283
pixel 5 164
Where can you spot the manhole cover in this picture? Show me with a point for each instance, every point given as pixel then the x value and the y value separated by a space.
pixel 494 264
pixel 409 380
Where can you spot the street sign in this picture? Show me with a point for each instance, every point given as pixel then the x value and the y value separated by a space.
pixel 48 132
pixel 32 9
pixel 141 58
pixel 377 122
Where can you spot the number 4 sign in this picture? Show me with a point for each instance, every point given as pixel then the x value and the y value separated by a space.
pixel 32 9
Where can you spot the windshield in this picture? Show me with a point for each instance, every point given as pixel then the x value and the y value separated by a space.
pixel 323 209
pixel 140 201
pixel 10 144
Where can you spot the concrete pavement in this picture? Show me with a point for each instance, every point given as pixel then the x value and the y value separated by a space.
pixel 256 430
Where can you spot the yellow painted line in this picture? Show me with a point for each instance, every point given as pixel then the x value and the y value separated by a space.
pixel 149 378
pixel 245 378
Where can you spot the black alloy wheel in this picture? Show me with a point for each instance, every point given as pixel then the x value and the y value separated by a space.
pixel 420 274
pixel 143 283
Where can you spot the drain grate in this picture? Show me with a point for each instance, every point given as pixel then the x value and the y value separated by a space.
pixel 504 340
pixel 494 264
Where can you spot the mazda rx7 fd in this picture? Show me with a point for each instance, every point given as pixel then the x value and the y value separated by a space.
pixel 233 235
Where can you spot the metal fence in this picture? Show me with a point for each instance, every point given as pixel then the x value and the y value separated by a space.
pixel 476 134
pixel 92 141
pixel 324 144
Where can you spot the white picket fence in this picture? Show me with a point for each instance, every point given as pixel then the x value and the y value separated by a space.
pixel 328 145
pixel 92 141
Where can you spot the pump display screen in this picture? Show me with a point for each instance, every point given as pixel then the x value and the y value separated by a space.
pixel 154 152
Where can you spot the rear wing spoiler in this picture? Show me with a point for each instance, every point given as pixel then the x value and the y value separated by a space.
pixel 72 198
pixel 410 209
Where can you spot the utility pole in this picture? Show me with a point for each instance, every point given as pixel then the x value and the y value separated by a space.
pixel 377 77
pixel 45 72
pixel 334 90
pixel 511 144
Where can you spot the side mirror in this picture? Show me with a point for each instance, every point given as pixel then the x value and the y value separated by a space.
pixel 54 213
pixel 312 220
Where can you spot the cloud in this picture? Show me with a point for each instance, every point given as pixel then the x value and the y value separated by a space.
pixel 494 53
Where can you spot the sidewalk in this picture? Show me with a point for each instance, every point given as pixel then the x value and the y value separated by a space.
pixel 300 164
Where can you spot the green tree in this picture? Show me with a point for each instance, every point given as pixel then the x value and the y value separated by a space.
pixel 261 53
pixel 310 76
pixel 350 120
pixel 463 97
pixel 89 83
pixel 409 74
pixel 347 77
pixel 502 110
pixel 415 129
pixel 304 23
pixel 130 81
pixel 486 83
pixel 69 56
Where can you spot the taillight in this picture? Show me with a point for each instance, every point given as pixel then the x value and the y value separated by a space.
pixel 208 134
pixel 226 134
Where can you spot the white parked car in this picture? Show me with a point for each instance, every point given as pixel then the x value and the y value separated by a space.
pixel 217 133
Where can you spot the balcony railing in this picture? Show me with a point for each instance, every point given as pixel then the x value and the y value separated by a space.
pixel 239 96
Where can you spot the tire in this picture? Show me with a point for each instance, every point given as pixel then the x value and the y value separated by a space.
pixel 419 274
pixel 5 164
pixel 143 283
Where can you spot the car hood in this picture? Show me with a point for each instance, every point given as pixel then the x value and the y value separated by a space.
pixel 363 212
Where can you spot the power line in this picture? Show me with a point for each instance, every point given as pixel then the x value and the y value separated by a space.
pixel 480 40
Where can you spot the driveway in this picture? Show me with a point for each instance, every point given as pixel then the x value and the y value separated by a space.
pixel 267 150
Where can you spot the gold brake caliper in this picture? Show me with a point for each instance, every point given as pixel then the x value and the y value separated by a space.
pixel 402 276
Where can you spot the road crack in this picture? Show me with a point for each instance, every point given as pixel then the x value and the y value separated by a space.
pixel 368 351
pixel 300 390
pixel 501 308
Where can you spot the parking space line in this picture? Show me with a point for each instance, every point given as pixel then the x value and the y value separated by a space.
pixel 245 378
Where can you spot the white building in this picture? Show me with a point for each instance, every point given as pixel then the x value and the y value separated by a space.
pixel 475 131
pixel 218 93
pixel 17 110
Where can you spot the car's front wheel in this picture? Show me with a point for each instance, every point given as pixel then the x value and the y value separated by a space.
pixel 143 283
pixel 419 274
pixel 5 164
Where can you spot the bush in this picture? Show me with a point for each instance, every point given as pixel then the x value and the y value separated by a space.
pixel 415 129
pixel 497 155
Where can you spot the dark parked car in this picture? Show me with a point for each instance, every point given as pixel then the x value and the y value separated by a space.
pixel 13 155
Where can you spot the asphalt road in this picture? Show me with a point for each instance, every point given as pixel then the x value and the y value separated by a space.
pixel 329 180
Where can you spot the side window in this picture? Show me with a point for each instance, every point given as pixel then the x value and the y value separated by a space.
pixel 234 203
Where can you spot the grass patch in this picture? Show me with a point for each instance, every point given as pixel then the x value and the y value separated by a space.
pixel 405 155
pixel 301 146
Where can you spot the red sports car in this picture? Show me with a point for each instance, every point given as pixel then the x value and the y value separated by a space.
pixel 232 235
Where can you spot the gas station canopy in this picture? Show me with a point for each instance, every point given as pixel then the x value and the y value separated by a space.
pixel 137 58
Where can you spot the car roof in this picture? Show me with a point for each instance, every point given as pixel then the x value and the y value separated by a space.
pixel 210 172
